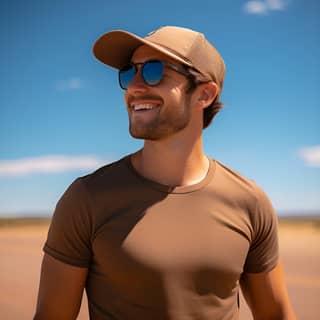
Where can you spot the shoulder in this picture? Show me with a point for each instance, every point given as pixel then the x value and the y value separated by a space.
pixel 236 183
pixel 106 176
pixel 109 169
pixel 81 208
pixel 240 191
pixel 85 192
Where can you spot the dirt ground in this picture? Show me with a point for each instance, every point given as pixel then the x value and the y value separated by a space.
pixel 21 253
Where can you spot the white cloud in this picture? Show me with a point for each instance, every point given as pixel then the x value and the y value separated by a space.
pixel 48 164
pixel 69 84
pixel 255 7
pixel 310 155
pixel 276 4
pixel 264 6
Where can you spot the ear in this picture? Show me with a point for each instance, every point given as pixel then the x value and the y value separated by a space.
pixel 206 93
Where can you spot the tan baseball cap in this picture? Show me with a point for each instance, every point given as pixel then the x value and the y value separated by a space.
pixel 186 46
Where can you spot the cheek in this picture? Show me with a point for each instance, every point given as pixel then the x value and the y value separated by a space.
pixel 181 98
pixel 176 95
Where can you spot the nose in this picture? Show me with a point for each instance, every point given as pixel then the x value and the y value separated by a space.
pixel 137 85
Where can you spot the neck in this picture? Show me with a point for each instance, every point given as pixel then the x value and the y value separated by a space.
pixel 172 161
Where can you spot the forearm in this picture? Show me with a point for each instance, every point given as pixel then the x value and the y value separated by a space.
pixel 267 296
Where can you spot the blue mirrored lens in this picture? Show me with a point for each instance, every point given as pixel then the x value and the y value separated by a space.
pixel 126 75
pixel 152 72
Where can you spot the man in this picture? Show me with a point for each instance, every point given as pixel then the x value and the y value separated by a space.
pixel 166 232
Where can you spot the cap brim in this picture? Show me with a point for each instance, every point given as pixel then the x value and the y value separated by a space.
pixel 115 48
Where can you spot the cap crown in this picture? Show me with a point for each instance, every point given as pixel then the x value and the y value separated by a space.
pixel 193 49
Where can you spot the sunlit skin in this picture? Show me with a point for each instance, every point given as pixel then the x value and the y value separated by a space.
pixel 172 152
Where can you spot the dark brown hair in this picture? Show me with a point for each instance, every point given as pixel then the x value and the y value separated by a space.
pixel 210 112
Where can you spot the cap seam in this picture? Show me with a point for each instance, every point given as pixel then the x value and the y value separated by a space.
pixel 194 42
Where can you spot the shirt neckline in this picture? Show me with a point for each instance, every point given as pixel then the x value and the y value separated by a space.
pixel 173 189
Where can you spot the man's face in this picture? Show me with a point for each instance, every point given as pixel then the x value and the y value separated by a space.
pixel 157 112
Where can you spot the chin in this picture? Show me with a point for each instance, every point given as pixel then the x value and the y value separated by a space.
pixel 156 132
pixel 144 136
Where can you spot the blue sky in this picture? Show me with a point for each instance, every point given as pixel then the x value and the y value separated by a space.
pixel 62 114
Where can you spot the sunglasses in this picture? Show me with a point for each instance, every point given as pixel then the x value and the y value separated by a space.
pixel 151 71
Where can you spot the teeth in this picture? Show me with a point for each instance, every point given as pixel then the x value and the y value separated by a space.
pixel 143 107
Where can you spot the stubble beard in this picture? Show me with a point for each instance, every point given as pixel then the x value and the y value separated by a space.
pixel 162 126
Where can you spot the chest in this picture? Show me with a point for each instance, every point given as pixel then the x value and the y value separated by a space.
pixel 201 242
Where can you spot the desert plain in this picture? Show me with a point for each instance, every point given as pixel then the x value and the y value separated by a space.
pixel 21 243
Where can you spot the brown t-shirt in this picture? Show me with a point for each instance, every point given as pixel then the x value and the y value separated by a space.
pixel 159 252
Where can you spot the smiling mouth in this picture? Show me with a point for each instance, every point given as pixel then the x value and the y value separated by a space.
pixel 142 107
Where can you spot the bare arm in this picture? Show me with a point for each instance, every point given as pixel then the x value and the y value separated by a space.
pixel 266 295
pixel 60 291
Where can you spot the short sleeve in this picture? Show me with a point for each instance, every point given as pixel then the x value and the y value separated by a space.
pixel 69 235
pixel 263 253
